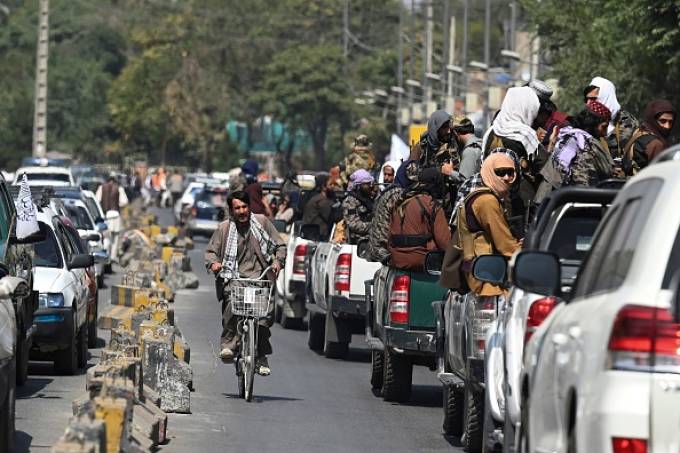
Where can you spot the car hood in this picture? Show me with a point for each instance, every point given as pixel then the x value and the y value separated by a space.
pixel 49 279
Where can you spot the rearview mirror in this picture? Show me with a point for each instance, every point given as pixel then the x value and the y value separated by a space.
pixel 81 261
pixel 538 272
pixel 433 263
pixel 311 232
pixel 38 236
pixel 96 237
pixel 101 226
pixel 280 225
pixel 490 269
pixel 100 256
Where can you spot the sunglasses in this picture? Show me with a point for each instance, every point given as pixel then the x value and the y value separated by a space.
pixel 500 172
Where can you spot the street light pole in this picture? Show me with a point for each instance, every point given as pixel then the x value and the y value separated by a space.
pixel 400 67
pixel 40 111
pixel 487 57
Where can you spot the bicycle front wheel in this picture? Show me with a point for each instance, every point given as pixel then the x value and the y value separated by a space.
pixel 249 356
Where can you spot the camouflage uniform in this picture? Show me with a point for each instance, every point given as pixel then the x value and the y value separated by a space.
pixel 357 211
pixel 378 238
pixel 625 125
pixel 591 165
pixel 361 156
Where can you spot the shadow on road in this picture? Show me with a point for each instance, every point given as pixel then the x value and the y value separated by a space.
pixel 425 396
pixel 261 398
pixel 22 442
pixel 354 355
pixel 453 441
pixel 32 387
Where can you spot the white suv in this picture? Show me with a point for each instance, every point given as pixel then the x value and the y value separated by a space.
pixel 45 176
pixel 602 373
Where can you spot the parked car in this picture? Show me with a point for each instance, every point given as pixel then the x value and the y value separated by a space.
pixel 207 211
pixel 90 234
pixel 10 288
pixel 564 224
pixel 60 277
pixel 400 328
pixel 45 176
pixel 602 372
pixel 339 303
pixel 186 201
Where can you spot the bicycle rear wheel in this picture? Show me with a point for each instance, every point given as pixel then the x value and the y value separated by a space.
pixel 249 357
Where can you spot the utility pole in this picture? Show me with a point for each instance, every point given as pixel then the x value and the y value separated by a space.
pixel 40 112
pixel 400 66
pixel 446 51
pixel 465 47
pixel 429 25
pixel 487 58
pixel 410 61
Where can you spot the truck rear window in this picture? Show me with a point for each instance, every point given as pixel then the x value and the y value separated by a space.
pixel 574 232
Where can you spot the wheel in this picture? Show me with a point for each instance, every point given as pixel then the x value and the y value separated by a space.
pixel 7 412
pixel 108 268
pixel 81 344
pixel 377 365
pixel 397 377
pixel 473 420
pixel 453 410
pixel 66 361
pixel 21 357
pixel 317 327
pixel 238 363
pixel 335 350
pixel 92 326
pixel 249 358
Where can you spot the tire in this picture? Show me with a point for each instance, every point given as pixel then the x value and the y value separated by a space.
pixel 290 323
pixel 315 338
pixel 100 280
pixel 81 344
pixel 523 433
pixel 241 377
pixel 92 326
pixel 377 369
pixel 397 377
pixel 473 420
pixel 454 400
pixel 278 311
pixel 66 361
pixel 108 268
pixel 21 357
pixel 335 350
pixel 7 412
pixel 488 429
pixel 250 359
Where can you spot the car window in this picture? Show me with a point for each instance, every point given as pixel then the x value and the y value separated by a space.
pixel 612 252
pixel 48 177
pixel 69 250
pixel 79 216
pixel 218 199
pixel 673 264
pixel 47 252
pixel 75 241
pixel 573 235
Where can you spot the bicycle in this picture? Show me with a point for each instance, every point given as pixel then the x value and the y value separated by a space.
pixel 250 299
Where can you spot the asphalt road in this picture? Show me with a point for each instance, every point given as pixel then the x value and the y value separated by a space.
pixel 308 404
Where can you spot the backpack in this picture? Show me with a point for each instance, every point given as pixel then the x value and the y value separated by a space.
pixel 452 275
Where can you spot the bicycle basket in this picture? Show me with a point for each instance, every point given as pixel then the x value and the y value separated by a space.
pixel 249 297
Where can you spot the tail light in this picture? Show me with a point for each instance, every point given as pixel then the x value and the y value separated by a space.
pixel 343 269
pixel 484 316
pixel 299 259
pixel 644 339
pixel 399 299
pixel 538 311
pixel 628 445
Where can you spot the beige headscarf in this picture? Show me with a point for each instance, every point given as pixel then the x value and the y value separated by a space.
pixel 489 177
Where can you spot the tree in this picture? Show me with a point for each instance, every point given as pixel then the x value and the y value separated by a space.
pixel 304 87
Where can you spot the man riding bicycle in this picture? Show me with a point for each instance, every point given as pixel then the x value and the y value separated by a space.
pixel 243 246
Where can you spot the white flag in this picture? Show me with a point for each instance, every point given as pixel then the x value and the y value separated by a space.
pixel 27 217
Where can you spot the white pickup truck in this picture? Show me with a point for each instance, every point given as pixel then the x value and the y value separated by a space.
pixel 337 308
pixel 290 292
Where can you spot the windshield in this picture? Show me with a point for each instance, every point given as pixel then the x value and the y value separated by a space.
pixel 47 253
pixel 79 217
pixel 218 199
pixel 574 232
pixel 48 177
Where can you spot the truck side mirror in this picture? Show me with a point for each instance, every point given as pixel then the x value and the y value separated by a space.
pixel 433 263
pixel 538 272
pixel 81 261
pixel 491 269
pixel 311 232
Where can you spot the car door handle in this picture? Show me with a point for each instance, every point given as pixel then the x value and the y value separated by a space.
pixel 574 332
pixel 559 339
